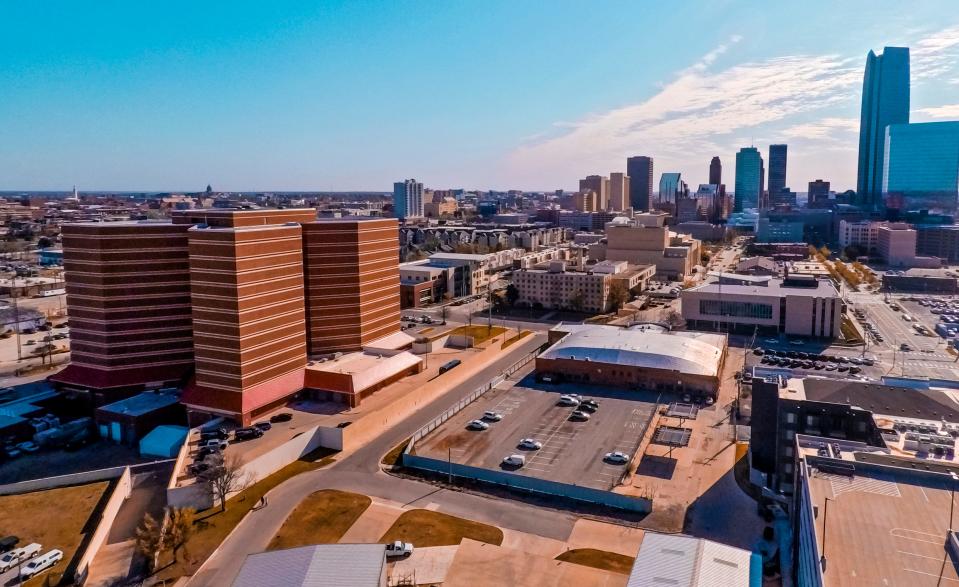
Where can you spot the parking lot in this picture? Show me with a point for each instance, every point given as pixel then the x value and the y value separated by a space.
pixel 572 452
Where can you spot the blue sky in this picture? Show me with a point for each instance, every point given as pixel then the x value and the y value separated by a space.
pixel 354 95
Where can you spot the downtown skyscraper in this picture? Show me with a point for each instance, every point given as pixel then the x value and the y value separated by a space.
pixel 749 179
pixel 885 101
pixel 408 199
pixel 640 172
pixel 777 170
pixel 715 171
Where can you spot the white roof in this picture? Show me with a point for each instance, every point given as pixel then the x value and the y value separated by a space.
pixel 684 561
pixel 693 353
pixel 344 565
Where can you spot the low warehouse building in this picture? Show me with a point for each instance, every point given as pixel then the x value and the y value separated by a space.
pixel 645 356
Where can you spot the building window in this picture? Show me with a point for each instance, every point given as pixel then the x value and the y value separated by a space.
pixel 790 417
pixel 735 309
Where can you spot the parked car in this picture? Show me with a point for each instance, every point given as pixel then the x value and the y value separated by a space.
pixel 568 400
pixel 214 443
pixel 450 365
pixel 399 548
pixel 589 408
pixel 248 433
pixel 492 416
pixel 204 453
pixel 530 444
pixel 264 426
pixel 28 446
pixel 477 425
pixel 616 457
pixel 514 461
pixel 41 563
pixel 7 543
pixel 19 555
pixel 281 417
pixel 579 416
pixel 215 434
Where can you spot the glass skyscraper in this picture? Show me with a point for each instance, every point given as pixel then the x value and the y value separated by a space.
pixel 921 167
pixel 885 101
pixel 777 170
pixel 749 178
pixel 640 172
pixel 672 187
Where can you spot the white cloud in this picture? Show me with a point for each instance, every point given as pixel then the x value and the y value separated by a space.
pixel 826 128
pixel 946 111
pixel 702 112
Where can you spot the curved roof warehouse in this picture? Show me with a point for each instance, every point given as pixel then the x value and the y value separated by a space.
pixel 643 356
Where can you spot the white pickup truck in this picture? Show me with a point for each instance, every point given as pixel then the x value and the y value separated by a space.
pixel 18 555
pixel 399 548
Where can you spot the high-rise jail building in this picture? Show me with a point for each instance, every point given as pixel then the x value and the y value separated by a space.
pixel 228 304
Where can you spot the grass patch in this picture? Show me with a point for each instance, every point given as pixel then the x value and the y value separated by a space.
pixel 322 518
pixel 213 526
pixel 428 528
pixel 598 559
pixel 480 334
pixel 54 518
pixel 392 458
pixel 849 332
pixel 510 341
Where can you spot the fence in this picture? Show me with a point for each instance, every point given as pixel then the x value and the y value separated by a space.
pixel 462 403
pixel 529 484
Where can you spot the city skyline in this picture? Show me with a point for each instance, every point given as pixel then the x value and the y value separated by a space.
pixel 248 105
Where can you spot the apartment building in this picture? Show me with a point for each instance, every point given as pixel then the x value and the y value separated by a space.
pixel 557 286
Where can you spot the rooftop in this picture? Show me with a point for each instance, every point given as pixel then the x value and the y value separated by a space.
pixel 141 404
pixel 684 561
pixel 345 565
pixel 696 353
pixel 886 526
pixel 887 400
pixel 775 287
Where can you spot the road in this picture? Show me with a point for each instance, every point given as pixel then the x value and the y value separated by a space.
pixel 360 472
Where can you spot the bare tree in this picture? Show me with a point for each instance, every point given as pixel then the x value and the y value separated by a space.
pixel 179 530
pixel 149 540
pixel 675 320
pixel 225 476
pixel 617 296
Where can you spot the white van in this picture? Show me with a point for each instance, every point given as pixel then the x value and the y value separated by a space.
pixel 41 563
pixel 18 555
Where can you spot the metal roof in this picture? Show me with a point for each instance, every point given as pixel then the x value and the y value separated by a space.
pixel 692 353
pixel 684 561
pixel 344 565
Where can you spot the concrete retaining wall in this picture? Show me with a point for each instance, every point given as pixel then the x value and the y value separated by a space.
pixel 530 484
pixel 62 480
pixel 121 492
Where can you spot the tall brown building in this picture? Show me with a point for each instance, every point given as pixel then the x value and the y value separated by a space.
pixel 352 282
pixel 237 298
pixel 128 296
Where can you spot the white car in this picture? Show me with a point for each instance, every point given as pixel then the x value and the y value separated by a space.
pixel 214 443
pixel 568 400
pixel 41 563
pixel 616 457
pixel 530 444
pixel 492 416
pixel 579 415
pixel 477 425
pixel 515 460
pixel 399 548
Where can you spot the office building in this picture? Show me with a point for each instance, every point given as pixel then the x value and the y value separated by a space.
pixel 921 167
pixel 672 188
pixel 940 241
pixel 749 179
pixel 778 230
pixel 408 199
pixel 586 201
pixel 796 305
pixel 640 172
pixel 646 240
pixel 862 234
pixel 352 283
pixel 817 194
pixel 777 170
pixel 784 197
pixel 599 185
pixel 715 171
pixel 619 185
pixel 646 356
pixel 885 101
pixel 896 243
pixel 445 207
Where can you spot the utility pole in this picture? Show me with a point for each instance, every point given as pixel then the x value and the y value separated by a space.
pixel 822 554
pixel 16 316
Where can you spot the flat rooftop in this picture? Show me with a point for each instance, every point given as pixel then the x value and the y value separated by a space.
pixel 883 529
pixel 141 404
pixel 774 287
pixel 887 400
